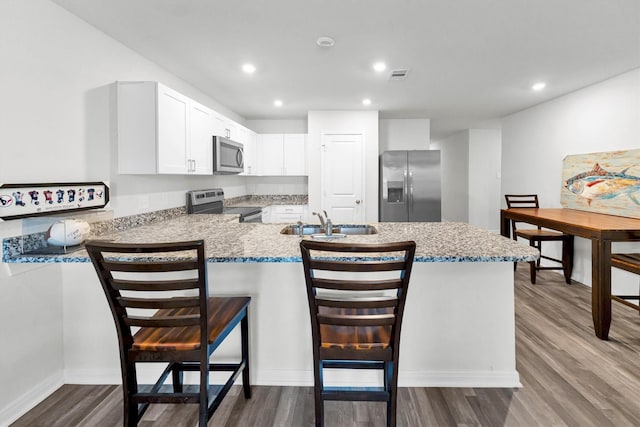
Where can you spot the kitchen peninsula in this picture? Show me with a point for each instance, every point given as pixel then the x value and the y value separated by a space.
pixel 459 320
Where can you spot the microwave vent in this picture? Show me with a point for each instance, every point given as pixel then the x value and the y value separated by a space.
pixel 397 75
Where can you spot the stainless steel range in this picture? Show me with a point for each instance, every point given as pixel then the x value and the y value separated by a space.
pixel 212 202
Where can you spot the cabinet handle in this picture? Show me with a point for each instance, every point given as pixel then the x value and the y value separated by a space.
pixel 193 168
pixel 357 202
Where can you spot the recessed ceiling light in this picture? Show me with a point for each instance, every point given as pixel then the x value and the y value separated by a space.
pixel 538 86
pixel 277 103
pixel 249 68
pixel 325 41
pixel 379 66
pixel 366 101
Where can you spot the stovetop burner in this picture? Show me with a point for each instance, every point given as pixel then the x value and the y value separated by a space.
pixel 212 202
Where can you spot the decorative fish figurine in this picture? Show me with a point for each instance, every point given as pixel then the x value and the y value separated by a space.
pixel 599 183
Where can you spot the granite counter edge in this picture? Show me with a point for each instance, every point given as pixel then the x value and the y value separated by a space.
pixel 52 259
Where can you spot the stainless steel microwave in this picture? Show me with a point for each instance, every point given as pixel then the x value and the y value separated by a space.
pixel 228 156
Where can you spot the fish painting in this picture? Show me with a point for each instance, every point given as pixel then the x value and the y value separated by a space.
pixel 598 183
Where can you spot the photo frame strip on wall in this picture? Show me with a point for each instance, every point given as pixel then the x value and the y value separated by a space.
pixel 29 200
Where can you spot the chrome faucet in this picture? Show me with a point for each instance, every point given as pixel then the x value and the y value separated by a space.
pixel 322 223
pixel 325 222
pixel 300 229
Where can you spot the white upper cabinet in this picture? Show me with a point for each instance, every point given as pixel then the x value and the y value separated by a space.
pixel 233 130
pixel 228 128
pixel 173 131
pixel 294 154
pixel 161 131
pixel 250 156
pixel 219 125
pixel 271 147
pixel 283 154
pixel 201 147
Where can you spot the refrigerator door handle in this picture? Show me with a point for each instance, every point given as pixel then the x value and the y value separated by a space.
pixel 405 186
pixel 410 181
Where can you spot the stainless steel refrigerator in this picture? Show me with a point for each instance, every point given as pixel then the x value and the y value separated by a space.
pixel 410 184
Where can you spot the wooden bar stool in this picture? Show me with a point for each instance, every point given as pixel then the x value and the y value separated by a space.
pixel 536 236
pixel 630 263
pixel 356 317
pixel 161 289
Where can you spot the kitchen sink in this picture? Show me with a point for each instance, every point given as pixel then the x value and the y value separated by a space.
pixel 308 229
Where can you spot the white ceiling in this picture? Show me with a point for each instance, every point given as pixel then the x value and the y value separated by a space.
pixel 470 61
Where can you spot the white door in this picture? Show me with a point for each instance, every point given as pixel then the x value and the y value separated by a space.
pixel 342 177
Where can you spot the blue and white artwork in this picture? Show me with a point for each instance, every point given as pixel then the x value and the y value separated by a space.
pixel 607 182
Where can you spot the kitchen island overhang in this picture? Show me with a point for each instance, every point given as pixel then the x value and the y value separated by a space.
pixel 458 331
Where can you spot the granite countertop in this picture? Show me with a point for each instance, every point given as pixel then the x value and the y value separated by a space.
pixel 267 200
pixel 227 240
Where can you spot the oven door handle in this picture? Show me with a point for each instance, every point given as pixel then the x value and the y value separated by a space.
pixel 254 217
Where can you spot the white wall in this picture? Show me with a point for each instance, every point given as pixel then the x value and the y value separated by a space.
pixel 60 109
pixel 602 117
pixel 57 124
pixel 288 185
pixel 404 134
pixel 277 126
pixel 484 178
pixel 31 333
pixel 365 122
pixel 454 152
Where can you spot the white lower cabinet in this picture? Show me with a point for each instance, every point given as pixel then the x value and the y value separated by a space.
pixel 284 213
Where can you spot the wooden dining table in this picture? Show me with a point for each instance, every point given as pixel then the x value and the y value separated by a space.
pixel 601 229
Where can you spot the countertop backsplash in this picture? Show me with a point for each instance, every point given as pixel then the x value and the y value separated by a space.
pixel 263 200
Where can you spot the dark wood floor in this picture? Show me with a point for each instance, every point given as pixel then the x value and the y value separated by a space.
pixel 570 378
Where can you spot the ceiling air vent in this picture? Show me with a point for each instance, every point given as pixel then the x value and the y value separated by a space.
pixel 398 74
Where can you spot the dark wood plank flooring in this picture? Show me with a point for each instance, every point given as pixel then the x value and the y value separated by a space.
pixel 570 378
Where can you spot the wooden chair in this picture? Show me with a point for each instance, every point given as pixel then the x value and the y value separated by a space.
pixel 536 236
pixel 630 263
pixel 356 317
pixel 162 290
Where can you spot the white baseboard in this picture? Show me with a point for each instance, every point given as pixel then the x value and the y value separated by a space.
pixel 30 399
pixel 462 379
pixel 92 376
pixel 297 378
